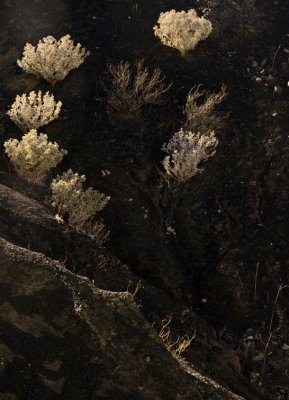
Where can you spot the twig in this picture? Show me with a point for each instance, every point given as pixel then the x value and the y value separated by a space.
pixel 267 342
pixel 255 284
pixel 281 287
pixel 241 283
pixel 273 62
pixel 265 354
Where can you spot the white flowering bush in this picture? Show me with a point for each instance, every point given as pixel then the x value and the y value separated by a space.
pixel 182 30
pixel 52 60
pixel 186 150
pixel 79 206
pixel 34 110
pixel 34 156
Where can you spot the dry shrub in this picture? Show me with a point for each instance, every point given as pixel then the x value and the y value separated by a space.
pixel 132 87
pixel 200 110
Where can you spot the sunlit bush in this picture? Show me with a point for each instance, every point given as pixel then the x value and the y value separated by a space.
pixel 34 110
pixel 52 60
pixel 182 30
pixel 186 150
pixel 78 206
pixel 34 156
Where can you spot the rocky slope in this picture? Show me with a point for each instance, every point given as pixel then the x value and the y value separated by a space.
pixel 63 337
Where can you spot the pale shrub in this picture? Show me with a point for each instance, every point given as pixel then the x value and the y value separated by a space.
pixel 182 30
pixel 51 59
pixel 186 150
pixel 34 110
pixel 79 206
pixel 201 116
pixel 33 157
pixel 133 86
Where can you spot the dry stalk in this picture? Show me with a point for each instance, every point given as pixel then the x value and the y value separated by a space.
pixel 246 351
pixel 266 342
pixel 255 282
pixel 178 346
pixel 137 288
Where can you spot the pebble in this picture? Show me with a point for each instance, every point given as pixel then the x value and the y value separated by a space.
pixel 250 338
pixel 259 357
pixel 278 90
pixel 270 78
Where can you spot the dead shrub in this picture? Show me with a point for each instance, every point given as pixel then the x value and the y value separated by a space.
pixel 132 87
pixel 200 110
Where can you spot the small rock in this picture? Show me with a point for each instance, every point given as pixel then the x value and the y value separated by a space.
pixel 263 62
pixel 105 172
pixel 278 90
pixel 171 231
pixel 259 357
pixel 285 347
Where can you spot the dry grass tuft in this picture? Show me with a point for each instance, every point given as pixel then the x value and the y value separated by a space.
pixel 180 344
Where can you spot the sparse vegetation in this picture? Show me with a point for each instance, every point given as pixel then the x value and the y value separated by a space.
pixel 211 248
